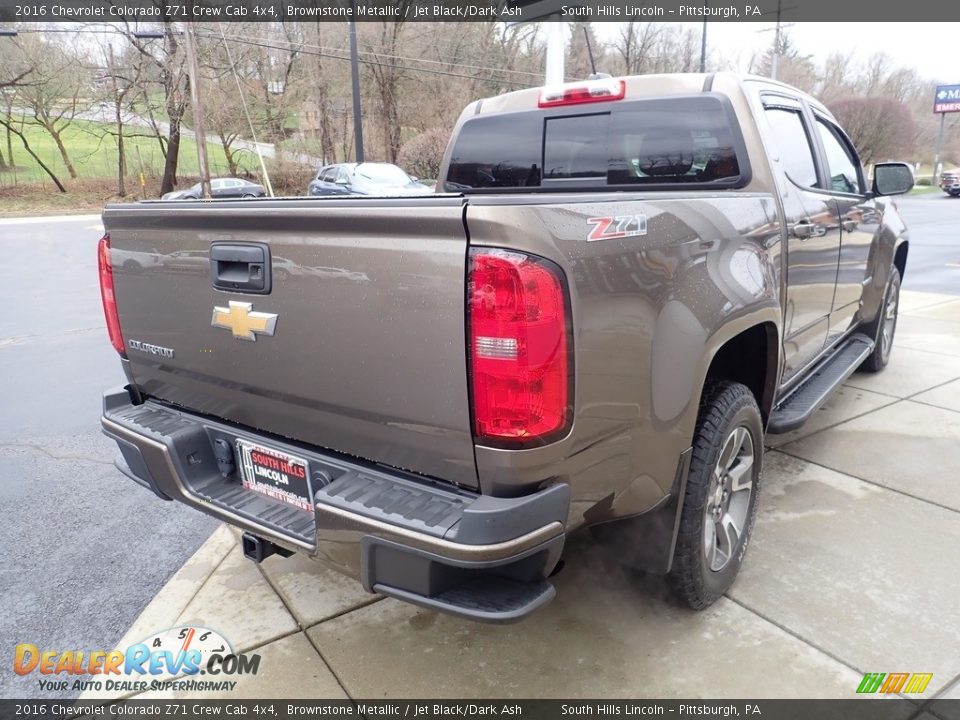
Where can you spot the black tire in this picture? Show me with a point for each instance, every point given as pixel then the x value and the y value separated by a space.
pixel 699 576
pixel 883 327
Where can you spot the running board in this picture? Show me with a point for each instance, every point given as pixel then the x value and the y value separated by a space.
pixel 803 402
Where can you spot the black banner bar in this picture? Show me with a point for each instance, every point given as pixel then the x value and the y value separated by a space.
pixel 766 11
pixel 892 708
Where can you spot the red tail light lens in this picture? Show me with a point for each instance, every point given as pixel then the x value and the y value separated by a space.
pixel 603 90
pixel 107 294
pixel 519 347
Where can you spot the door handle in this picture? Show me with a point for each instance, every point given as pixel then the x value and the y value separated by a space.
pixel 805 230
pixel 849 225
pixel 241 267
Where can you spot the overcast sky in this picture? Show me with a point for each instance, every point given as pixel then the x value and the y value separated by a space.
pixel 927 47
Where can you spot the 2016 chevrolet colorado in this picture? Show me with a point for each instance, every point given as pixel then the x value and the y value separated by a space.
pixel 619 287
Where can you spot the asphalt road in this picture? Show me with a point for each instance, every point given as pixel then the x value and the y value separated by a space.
pixel 933 264
pixel 83 548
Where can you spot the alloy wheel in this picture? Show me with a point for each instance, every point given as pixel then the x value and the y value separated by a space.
pixel 889 319
pixel 728 499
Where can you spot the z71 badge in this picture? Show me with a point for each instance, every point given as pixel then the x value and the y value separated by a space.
pixel 617 226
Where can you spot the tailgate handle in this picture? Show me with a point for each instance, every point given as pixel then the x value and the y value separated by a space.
pixel 241 267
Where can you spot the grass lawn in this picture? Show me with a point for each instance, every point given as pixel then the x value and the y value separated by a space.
pixel 85 196
pixel 925 190
pixel 94 156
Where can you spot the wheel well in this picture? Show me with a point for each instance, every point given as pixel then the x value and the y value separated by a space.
pixel 750 358
pixel 900 259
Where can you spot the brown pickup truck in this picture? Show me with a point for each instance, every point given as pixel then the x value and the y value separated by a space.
pixel 619 287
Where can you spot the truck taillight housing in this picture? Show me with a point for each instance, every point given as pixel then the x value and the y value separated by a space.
pixel 592 91
pixel 107 294
pixel 520 348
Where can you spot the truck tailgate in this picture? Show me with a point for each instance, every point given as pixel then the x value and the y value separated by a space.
pixel 367 355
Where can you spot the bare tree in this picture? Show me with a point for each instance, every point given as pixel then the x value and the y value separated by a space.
pixel 635 45
pixel 423 154
pixel 224 114
pixel 387 73
pixel 880 127
pixel 59 82
pixel 322 71
pixel 14 74
pixel 26 146
pixel 166 60
pixel 119 86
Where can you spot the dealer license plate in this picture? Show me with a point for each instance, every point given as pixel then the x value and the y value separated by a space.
pixel 276 474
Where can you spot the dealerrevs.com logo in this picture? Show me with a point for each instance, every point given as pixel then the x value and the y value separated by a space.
pixel 169 660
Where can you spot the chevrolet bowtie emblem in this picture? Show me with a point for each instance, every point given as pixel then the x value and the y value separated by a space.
pixel 239 319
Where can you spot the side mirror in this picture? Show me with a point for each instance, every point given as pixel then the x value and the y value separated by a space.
pixel 892 178
pixel 414 178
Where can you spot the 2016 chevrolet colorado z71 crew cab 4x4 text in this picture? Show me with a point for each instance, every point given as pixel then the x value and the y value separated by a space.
pixel 619 287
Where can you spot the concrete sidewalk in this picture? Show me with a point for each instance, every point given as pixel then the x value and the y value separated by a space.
pixel 854 568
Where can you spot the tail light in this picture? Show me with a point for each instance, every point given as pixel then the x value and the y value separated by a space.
pixel 519 347
pixel 592 91
pixel 107 294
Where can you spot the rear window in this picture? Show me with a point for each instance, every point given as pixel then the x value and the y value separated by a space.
pixel 575 147
pixel 689 141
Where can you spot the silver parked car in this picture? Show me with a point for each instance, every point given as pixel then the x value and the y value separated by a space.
pixel 365 179
pixel 220 188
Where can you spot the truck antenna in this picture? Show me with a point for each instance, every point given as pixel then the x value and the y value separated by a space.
pixel 594 75
pixel 586 37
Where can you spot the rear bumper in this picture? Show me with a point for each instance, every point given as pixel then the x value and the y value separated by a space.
pixel 476 556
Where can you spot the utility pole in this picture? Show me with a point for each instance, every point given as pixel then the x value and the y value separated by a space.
pixel 355 80
pixel 938 152
pixel 556 46
pixel 775 63
pixel 198 129
pixel 703 45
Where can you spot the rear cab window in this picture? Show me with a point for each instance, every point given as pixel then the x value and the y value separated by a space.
pixel 677 142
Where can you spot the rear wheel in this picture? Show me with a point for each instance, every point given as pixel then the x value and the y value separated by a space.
pixel 884 326
pixel 720 500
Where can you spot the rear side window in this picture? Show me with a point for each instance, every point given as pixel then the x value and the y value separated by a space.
pixel 793 146
pixel 503 151
pixel 678 141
